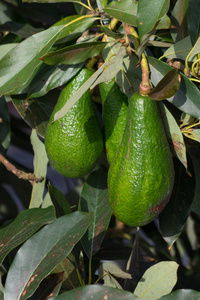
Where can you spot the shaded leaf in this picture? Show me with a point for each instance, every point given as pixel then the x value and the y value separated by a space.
pixel 174 134
pixel 173 217
pixel 5 133
pixel 21 29
pixel 59 201
pixel 157 281
pixel 96 292
pixel 149 13
pixel 45 249
pixel 107 269
pixel 194 20
pixel 194 154
pixel 22 227
pixel 124 11
pixel 94 198
pixel 40 170
pixel 5 48
pixel 36 112
pixel 179 17
pixel 164 23
pixel 74 54
pixel 50 77
pixel 186 98
pixel 47 201
pixel 108 32
pixel 112 69
pixel 182 295
pixel 167 86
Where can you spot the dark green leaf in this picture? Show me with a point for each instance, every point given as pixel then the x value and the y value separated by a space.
pixel 74 54
pixel 124 11
pixel 182 295
pixel 42 252
pixel 167 86
pixel 108 32
pixel 194 20
pixel 50 77
pixel 187 97
pixel 173 217
pixel 164 23
pixel 4 126
pixel 94 198
pixel 96 292
pixel 149 13
pixel 36 112
pixel 24 30
pixel 26 224
pixel 59 201
pixel 179 17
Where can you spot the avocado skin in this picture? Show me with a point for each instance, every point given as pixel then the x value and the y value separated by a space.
pixel 74 143
pixel 115 107
pixel 141 177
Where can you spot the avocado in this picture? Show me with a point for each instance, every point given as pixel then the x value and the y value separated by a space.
pixel 74 143
pixel 141 177
pixel 114 112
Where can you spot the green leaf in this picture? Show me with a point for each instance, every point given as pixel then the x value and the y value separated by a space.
pixel 40 170
pixel 23 30
pixel 94 198
pixel 5 133
pixel 194 20
pixel 22 227
pixel 36 112
pixel 149 13
pixel 42 252
pixel 167 86
pixel 59 201
pixel 186 98
pixel 175 214
pixel 174 134
pixel 5 48
pixel 96 292
pixel 182 295
pixel 179 18
pixel 50 77
pixel 157 281
pixel 124 11
pixel 74 54
pixel 194 154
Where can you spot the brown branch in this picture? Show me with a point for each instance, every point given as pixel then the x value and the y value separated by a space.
pixel 19 173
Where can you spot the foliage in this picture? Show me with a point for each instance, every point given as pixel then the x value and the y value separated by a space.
pixel 67 244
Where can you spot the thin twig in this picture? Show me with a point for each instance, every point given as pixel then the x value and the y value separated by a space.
pixel 19 173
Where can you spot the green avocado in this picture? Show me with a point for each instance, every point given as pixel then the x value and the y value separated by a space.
pixel 141 177
pixel 74 143
pixel 114 112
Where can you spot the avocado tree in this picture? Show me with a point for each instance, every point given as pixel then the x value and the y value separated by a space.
pixel 104 96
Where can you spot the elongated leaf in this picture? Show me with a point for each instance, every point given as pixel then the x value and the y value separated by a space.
pixel 112 69
pixel 124 11
pixel 60 203
pixel 96 292
pixel 5 48
pixel 24 30
pixel 157 281
pixel 107 269
pixel 173 217
pixel 179 17
pixel 50 77
pixel 149 13
pixel 167 86
pixel 22 227
pixel 194 20
pixel 40 170
pixel 186 98
pixel 94 198
pixel 74 54
pixel 182 295
pixel 174 134
pixel 42 252
pixel 194 154
pixel 4 126
pixel 76 96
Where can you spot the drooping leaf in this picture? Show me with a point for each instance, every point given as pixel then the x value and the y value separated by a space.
pixel 186 98
pixel 182 295
pixel 149 13
pixel 167 86
pixel 42 252
pixel 5 133
pixel 124 11
pixel 194 20
pixel 22 227
pixel 157 281
pixel 36 112
pixel 173 217
pixel 23 30
pixel 179 16
pixel 174 134
pixel 59 201
pixel 74 54
pixel 50 77
pixel 94 198
pixel 96 292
